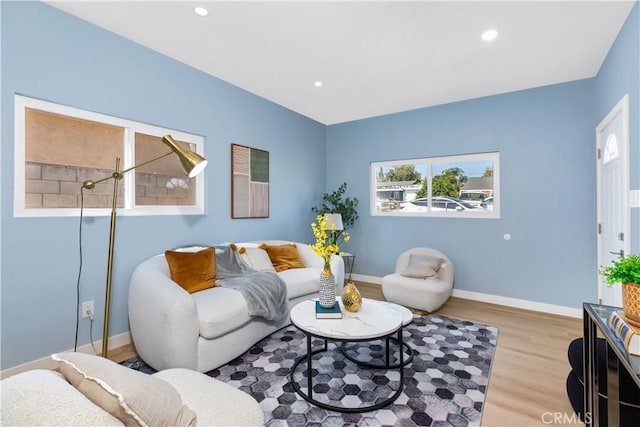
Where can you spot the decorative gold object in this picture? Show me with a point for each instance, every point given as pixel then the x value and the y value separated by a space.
pixel 351 298
pixel 191 162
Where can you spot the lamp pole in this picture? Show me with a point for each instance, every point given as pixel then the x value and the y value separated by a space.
pixel 192 164
pixel 112 236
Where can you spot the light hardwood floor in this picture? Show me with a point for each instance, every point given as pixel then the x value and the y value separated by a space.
pixel 530 366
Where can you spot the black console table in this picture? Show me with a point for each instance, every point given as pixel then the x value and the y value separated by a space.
pixel 596 324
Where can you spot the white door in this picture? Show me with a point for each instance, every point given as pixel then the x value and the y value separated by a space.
pixel 612 139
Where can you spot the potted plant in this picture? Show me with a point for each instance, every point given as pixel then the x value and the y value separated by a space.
pixel 627 272
pixel 336 203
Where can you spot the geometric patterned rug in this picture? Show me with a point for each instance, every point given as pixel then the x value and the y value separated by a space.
pixel 444 385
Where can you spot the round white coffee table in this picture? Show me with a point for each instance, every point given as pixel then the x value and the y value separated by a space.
pixel 375 320
pixel 407 318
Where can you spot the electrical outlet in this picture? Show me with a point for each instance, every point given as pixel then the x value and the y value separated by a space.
pixel 87 309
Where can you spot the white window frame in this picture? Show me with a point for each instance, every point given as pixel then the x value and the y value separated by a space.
pixel 431 161
pixel 21 103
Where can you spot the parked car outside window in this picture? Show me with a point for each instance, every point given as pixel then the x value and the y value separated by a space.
pixel 439 204
pixel 473 197
pixel 487 203
pixel 386 205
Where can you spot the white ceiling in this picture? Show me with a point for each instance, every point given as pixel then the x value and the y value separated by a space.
pixel 374 58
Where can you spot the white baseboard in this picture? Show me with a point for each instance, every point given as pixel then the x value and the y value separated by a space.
pixel 369 279
pixel 47 363
pixel 497 299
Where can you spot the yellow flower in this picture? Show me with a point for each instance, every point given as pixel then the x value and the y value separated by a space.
pixel 326 245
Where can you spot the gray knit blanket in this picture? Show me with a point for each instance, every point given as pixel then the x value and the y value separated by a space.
pixel 264 292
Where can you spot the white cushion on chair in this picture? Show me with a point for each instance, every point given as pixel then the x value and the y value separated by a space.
pixel 216 403
pixel 426 294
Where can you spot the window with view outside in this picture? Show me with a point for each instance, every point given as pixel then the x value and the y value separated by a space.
pixel 59 147
pixel 457 186
pixel 162 182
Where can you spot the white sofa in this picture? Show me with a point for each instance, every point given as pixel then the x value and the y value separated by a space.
pixel 45 398
pixel 204 330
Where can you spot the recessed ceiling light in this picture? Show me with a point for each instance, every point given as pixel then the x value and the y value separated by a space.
pixel 489 35
pixel 201 11
pixel 317 84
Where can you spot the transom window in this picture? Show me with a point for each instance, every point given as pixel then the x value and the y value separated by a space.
pixel 610 149
pixel 57 148
pixel 457 186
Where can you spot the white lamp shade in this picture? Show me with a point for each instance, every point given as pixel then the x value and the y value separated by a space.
pixel 334 218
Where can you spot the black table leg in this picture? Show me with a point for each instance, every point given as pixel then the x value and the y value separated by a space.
pixel 309 376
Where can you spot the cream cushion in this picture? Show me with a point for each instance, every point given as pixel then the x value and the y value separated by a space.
pixel 422 266
pixel 131 396
pixel 44 398
pixel 216 403
pixel 301 281
pixel 220 310
pixel 258 259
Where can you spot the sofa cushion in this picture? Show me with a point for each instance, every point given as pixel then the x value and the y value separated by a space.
pixel 256 258
pixel 44 398
pixel 131 396
pixel 422 266
pixel 220 310
pixel 194 271
pixel 301 281
pixel 216 403
pixel 283 257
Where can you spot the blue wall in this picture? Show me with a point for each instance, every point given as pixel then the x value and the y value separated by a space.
pixel 620 74
pixel 51 55
pixel 545 137
pixel 546 141
pixel 547 168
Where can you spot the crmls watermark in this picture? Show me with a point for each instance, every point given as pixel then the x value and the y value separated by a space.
pixel 559 418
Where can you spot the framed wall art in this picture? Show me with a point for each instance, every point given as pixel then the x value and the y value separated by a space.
pixel 249 182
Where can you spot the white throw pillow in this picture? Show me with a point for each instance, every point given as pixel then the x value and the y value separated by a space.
pixel 44 398
pixel 258 259
pixel 423 266
pixel 131 396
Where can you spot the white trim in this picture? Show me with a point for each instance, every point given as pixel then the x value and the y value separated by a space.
pixel 634 199
pixel 130 128
pixel 496 299
pixel 48 363
pixel 621 106
pixel 520 303
pixel 368 279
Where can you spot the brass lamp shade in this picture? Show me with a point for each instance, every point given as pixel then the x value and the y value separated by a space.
pixel 191 162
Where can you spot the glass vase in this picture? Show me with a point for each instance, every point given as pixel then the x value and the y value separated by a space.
pixel 327 292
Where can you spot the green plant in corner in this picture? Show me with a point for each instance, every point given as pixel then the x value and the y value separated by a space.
pixel 336 203
pixel 625 270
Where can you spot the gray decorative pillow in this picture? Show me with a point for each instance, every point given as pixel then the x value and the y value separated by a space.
pixel 134 398
pixel 423 266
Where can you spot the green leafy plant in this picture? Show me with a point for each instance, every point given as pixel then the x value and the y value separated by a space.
pixel 625 270
pixel 336 203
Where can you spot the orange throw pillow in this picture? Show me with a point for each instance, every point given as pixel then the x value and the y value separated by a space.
pixel 283 257
pixel 194 271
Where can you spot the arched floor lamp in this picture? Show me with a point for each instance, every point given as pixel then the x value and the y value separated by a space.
pixel 192 164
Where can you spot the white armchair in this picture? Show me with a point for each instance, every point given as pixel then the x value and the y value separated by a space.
pixel 426 294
